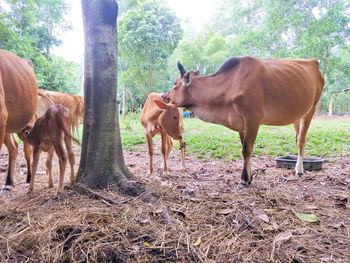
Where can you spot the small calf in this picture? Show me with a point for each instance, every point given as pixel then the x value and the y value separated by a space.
pixel 47 135
pixel 166 119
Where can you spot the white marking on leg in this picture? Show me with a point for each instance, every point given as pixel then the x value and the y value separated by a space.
pixel 299 167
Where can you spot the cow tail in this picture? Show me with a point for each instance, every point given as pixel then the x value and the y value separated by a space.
pixel 65 130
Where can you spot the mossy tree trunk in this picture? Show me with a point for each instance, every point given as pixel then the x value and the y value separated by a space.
pixel 102 161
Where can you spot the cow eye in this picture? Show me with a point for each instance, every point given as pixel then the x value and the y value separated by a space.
pixel 175 118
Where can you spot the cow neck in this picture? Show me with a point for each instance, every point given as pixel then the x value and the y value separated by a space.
pixel 204 92
pixel 206 99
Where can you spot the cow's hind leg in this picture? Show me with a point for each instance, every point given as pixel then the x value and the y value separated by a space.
pixel 250 133
pixel 49 166
pixel 62 159
pixel 12 148
pixel 150 153
pixel 303 128
pixel 70 153
pixel 27 149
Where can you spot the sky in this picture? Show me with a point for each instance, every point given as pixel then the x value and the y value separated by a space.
pixel 196 11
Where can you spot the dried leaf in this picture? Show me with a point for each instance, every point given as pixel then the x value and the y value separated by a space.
pixel 310 218
pixel 282 237
pixel 260 213
pixel 198 242
pixel 338 225
pixel 227 211
pixel 278 239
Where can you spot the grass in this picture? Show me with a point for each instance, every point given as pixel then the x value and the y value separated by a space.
pixel 326 138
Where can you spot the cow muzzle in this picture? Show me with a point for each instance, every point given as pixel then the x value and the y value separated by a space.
pixel 165 97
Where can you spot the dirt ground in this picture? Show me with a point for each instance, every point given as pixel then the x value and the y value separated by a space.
pixel 201 216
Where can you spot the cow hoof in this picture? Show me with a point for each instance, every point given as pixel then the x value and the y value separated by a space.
pixel 244 184
pixel 6 188
pixel 299 174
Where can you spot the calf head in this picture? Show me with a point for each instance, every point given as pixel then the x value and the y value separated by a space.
pixel 170 119
pixel 24 134
pixel 180 92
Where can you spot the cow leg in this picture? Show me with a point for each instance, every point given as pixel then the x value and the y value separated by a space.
pixel 241 137
pixel 303 127
pixel 70 153
pixel 62 159
pixel 296 128
pixel 3 113
pixel 36 155
pixel 49 165
pixel 27 149
pixel 166 148
pixel 250 133
pixel 150 153
pixel 183 152
pixel 12 148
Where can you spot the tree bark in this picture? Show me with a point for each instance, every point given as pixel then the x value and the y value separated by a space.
pixel 102 160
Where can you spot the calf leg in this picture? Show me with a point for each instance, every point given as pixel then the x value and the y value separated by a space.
pixel 49 165
pixel 166 148
pixel 62 159
pixel 183 152
pixel 250 133
pixel 36 155
pixel 12 148
pixel 150 153
pixel 303 127
pixel 70 153
pixel 27 149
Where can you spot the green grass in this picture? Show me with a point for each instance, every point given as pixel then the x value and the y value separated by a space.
pixel 326 138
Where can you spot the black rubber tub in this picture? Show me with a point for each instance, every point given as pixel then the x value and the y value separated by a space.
pixel 289 161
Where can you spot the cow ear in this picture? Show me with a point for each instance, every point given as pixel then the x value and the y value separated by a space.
pixel 196 73
pixel 181 68
pixel 187 78
pixel 160 104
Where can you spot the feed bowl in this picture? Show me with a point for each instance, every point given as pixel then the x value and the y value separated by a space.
pixel 289 161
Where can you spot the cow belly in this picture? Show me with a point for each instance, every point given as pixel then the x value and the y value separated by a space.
pixel 21 105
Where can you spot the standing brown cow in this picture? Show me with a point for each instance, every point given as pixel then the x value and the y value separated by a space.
pixel 247 92
pixel 18 101
pixel 158 117
pixel 47 134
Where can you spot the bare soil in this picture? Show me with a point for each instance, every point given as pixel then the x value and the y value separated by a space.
pixel 202 215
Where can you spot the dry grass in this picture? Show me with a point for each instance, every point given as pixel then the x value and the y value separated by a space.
pixel 201 216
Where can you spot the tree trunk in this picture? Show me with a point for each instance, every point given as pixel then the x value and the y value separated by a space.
pixel 102 160
pixel 330 107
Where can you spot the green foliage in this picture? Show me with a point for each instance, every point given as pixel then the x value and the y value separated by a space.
pixel 148 34
pixel 30 28
pixel 326 138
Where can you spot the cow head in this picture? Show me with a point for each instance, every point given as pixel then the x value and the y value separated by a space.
pixel 179 92
pixel 170 119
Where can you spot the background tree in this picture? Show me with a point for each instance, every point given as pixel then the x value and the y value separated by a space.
pixel 102 161
pixel 148 34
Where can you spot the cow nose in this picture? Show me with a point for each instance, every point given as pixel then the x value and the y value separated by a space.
pixel 180 138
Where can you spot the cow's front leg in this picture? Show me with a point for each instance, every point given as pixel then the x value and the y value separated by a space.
pixel 36 155
pixel 250 133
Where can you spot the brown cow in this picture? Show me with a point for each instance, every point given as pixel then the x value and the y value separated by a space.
pixel 47 135
pixel 158 117
pixel 18 101
pixel 247 92
pixel 74 103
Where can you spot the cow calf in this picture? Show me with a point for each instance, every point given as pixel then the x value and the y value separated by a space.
pixel 47 134
pixel 166 120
